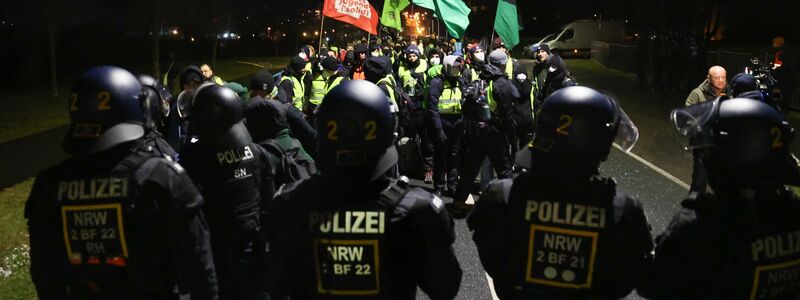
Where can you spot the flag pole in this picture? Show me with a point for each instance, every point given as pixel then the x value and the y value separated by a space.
pixel 321 32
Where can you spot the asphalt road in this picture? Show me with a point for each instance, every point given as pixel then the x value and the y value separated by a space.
pixel 658 193
pixel 656 176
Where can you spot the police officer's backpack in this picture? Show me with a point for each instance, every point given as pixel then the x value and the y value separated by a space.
pixel 293 167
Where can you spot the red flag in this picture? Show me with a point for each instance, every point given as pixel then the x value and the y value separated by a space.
pixel 356 12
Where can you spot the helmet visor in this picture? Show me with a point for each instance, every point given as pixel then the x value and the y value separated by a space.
pixel 693 124
pixel 627 132
pixel 184 104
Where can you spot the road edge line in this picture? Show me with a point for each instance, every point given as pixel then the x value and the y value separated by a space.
pixel 491 286
pixel 654 168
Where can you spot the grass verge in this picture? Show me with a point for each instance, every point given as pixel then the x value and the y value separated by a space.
pixel 15 279
pixel 27 112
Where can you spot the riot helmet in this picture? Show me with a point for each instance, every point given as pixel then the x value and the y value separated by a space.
pixel 575 130
pixel 217 116
pixel 743 85
pixel 156 101
pixel 356 134
pixel 105 110
pixel 741 142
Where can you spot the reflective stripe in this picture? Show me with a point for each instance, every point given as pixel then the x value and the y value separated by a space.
pixel 317 90
pixel 336 81
pixel 389 82
pixel 450 100
pixel 510 69
pixel 297 90
pixel 534 91
pixel 490 97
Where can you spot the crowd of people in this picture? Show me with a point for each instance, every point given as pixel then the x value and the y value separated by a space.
pixel 297 186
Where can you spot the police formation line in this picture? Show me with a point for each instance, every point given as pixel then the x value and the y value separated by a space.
pixel 256 203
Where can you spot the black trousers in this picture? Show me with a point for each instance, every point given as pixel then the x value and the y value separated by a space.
pixel 699 174
pixel 483 142
pixel 446 156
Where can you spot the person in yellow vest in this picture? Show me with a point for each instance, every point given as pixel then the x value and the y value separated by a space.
pixel 378 70
pixel 445 124
pixel 208 74
pixel 435 60
pixel 333 74
pixel 316 91
pixel 476 58
pixel 412 74
pixel 512 63
pixel 290 88
pixel 490 132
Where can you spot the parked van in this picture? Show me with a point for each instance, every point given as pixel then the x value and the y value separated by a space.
pixel 575 39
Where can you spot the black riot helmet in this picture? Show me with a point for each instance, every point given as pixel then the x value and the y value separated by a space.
pixel 742 84
pixel 356 133
pixel 156 101
pixel 216 117
pixel 105 110
pixel 742 142
pixel 575 130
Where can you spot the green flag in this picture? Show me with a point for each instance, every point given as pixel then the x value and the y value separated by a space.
pixel 391 13
pixel 506 23
pixel 454 14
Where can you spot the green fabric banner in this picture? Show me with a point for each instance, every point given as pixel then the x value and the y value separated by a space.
pixel 454 14
pixel 506 23
pixel 391 13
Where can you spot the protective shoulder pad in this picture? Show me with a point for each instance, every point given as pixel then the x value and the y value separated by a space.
pixel 491 204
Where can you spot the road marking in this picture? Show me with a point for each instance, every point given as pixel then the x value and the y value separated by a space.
pixel 491 286
pixel 654 167
pixel 249 63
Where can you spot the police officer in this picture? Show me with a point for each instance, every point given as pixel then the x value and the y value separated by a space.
pixel 445 124
pixel 565 231
pixel 178 123
pixel 237 182
pixel 490 134
pixel 740 240
pixel 291 88
pixel 118 219
pixel 353 232
pixel 156 102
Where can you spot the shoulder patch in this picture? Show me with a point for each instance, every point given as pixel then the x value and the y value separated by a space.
pixel 175 166
pixel 437 204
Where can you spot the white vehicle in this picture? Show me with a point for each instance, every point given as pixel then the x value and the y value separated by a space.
pixel 576 38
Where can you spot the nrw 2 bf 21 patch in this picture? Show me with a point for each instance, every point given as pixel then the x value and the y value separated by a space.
pixel 561 257
pixel 770 281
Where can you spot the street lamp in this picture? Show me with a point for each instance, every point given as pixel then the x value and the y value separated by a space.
pixel 304 34
pixel 316 32
pixel 268 30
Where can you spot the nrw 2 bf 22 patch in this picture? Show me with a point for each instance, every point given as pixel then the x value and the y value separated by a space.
pixel 347 267
pixel 94 234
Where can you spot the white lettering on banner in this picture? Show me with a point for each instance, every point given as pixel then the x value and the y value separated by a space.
pixel 353 8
